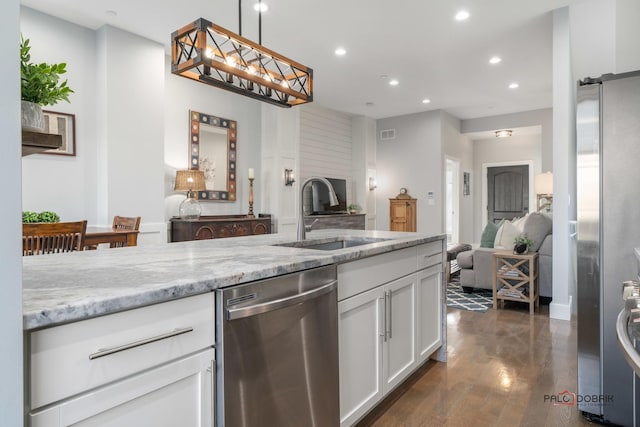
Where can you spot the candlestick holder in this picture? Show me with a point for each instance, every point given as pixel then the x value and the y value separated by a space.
pixel 250 214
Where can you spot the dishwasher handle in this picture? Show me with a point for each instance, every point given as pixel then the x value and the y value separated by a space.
pixel 252 310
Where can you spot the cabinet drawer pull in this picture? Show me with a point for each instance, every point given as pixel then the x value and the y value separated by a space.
pixel 112 350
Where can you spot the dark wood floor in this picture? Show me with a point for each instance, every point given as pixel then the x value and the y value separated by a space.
pixel 501 364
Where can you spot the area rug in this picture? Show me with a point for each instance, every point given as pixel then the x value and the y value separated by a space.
pixel 480 300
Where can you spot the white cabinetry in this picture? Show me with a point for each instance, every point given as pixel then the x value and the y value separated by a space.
pixel 361 324
pixel 389 322
pixel 399 355
pixel 180 393
pixel 149 366
pixel 429 311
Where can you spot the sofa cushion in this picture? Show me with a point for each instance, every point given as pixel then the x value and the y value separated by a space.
pixel 536 227
pixel 489 234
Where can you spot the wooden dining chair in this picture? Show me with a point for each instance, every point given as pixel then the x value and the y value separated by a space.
pixel 125 223
pixel 49 238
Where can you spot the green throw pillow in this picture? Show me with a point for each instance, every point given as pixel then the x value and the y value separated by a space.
pixel 489 234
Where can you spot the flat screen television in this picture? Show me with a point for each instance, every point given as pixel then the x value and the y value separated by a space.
pixel 320 195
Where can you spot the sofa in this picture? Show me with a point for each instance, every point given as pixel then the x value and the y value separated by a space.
pixel 476 265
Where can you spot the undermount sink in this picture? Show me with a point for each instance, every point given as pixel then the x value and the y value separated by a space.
pixel 332 244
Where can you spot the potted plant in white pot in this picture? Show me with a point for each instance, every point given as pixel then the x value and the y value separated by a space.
pixel 40 85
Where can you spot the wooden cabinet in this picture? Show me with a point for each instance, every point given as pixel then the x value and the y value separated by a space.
pixel 402 214
pixel 389 322
pixel 216 227
pixel 150 366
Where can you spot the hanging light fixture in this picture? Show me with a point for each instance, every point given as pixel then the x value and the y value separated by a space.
pixel 211 54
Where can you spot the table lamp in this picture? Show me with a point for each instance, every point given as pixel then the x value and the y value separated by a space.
pixel 190 181
pixel 544 191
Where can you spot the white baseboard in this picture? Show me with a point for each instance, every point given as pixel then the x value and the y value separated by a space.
pixel 560 311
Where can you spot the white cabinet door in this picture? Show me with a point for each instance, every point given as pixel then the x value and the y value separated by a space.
pixel 180 393
pixel 399 356
pixel 360 330
pixel 429 311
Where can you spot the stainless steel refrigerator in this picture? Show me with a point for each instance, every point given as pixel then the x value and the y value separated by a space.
pixel 608 228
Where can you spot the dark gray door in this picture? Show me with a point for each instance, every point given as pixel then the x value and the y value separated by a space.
pixel 508 192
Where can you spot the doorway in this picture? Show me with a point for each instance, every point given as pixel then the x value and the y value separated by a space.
pixel 452 198
pixel 511 187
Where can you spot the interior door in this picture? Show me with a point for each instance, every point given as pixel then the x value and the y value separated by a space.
pixel 508 192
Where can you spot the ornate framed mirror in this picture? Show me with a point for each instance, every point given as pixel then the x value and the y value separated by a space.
pixel 213 150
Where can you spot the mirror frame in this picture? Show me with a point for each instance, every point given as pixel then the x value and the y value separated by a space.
pixel 196 119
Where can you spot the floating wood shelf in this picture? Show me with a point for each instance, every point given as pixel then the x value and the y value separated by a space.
pixel 36 142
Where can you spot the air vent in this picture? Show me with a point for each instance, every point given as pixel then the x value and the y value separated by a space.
pixel 387 134
pixel 240 299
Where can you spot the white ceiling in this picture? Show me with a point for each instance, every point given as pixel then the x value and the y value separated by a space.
pixel 417 42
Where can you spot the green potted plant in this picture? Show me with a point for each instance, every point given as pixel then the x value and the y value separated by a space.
pixel 354 208
pixel 40 85
pixel 45 216
pixel 522 244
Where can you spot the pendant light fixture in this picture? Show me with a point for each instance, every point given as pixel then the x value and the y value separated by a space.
pixel 211 54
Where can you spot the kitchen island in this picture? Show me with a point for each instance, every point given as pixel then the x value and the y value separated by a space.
pixel 77 295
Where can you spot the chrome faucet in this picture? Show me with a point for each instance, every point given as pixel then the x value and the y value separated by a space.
pixel 333 201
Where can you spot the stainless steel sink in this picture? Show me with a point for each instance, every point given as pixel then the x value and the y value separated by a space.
pixel 332 244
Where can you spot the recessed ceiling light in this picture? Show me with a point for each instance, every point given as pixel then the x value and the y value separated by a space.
pixel 495 60
pixel 260 7
pixel 462 15
pixel 426 101
pixel 394 82
pixel 340 51
pixel 514 85
pixel 504 133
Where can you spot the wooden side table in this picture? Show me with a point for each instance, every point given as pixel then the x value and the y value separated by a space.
pixel 516 278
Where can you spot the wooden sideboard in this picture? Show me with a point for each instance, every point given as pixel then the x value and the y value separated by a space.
pixel 218 226
pixel 402 214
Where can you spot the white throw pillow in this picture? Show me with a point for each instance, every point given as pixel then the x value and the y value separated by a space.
pixel 496 242
pixel 519 222
pixel 509 232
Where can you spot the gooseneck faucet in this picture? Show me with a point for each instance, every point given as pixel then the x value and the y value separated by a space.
pixel 333 201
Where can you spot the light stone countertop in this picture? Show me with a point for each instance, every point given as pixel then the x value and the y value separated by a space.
pixel 65 288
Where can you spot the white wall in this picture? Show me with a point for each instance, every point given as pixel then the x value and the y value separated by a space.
pixel 128 147
pixel 542 118
pixel 11 385
pixel 363 161
pixel 131 140
pixel 325 146
pixel 182 95
pixel 64 184
pixel 627 35
pixel 564 162
pixel 460 148
pixel 413 160
pixel 501 150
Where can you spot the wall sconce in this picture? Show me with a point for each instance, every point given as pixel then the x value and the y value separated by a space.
pixel 372 183
pixel 288 177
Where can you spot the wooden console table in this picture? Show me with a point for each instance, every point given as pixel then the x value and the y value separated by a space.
pixel 218 226
pixel 516 278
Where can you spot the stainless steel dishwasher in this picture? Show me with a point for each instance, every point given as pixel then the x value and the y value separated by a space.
pixel 277 351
